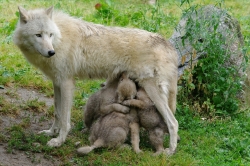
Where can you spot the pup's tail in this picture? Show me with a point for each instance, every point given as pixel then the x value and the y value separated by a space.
pixel 86 149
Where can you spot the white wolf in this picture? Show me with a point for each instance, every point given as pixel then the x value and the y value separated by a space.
pixel 86 50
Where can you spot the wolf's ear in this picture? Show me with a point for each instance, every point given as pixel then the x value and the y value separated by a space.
pixel 49 12
pixel 23 15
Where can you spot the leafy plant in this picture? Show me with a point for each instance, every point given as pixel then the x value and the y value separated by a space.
pixel 214 83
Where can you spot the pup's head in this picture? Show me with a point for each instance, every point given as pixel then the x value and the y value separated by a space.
pixel 126 89
pixel 36 31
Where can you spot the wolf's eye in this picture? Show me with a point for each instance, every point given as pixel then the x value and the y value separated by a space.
pixel 38 35
pixel 50 35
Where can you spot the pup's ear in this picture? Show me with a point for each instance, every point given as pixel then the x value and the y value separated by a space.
pixel 49 12
pixel 124 75
pixel 23 15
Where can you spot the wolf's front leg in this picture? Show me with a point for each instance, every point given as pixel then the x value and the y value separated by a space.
pixel 63 103
pixel 57 104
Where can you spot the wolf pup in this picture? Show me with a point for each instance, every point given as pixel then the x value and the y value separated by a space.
pixel 64 47
pixel 149 119
pixel 105 100
pixel 111 130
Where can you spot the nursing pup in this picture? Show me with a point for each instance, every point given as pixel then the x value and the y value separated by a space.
pixel 108 126
pixel 149 118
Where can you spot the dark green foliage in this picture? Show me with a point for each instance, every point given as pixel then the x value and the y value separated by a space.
pixel 213 85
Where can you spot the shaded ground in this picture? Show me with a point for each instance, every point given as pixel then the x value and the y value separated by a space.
pixel 21 158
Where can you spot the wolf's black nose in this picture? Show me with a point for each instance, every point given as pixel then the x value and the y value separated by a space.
pixel 51 52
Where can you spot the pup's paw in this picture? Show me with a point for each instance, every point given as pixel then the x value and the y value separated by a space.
pixel 55 142
pixel 125 110
pixel 126 103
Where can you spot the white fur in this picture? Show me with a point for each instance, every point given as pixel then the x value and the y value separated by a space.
pixel 88 50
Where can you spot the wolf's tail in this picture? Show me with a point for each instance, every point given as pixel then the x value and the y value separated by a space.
pixel 86 149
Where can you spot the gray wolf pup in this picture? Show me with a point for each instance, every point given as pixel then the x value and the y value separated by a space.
pixel 111 130
pixel 63 48
pixel 105 100
pixel 126 89
pixel 149 118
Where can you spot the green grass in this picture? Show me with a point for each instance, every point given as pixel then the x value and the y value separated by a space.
pixel 214 141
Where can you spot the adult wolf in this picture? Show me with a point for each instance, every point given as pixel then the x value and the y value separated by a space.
pixel 63 48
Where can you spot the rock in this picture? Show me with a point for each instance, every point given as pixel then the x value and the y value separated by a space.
pixel 195 28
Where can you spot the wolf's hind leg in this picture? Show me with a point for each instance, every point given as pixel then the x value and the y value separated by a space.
pixel 160 98
pixel 172 96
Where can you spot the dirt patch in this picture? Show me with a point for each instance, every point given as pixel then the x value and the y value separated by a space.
pixel 20 158
pixel 21 95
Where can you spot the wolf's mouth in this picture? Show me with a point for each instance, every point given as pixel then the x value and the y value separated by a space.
pixel 39 52
pixel 47 56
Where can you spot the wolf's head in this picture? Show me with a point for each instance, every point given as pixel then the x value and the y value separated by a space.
pixel 36 31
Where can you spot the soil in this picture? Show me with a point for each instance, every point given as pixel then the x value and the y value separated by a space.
pixel 17 157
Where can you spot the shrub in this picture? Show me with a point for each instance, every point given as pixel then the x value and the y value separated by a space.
pixel 213 84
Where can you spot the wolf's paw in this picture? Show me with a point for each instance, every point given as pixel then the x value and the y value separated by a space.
pixel 169 151
pixel 55 142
